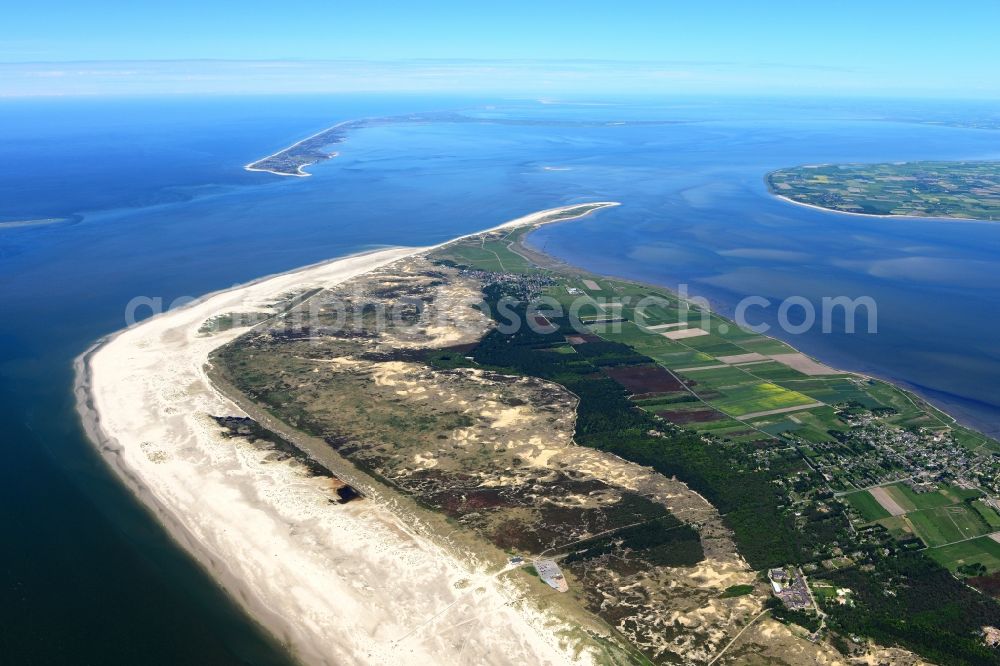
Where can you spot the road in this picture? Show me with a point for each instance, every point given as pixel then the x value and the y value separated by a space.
pixel 737 636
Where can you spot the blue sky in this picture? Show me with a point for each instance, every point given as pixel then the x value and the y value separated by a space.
pixel 915 48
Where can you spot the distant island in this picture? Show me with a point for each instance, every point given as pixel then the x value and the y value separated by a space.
pixel 964 190
pixel 293 160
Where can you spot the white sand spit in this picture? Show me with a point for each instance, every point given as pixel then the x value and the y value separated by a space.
pixel 338 584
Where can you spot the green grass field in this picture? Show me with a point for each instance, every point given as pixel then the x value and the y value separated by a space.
pixel 831 390
pixel 869 508
pixel 823 591
pixel 973 440
pixel 916 501
pixel 987 513
pixel 934 528
pixel 758 397
pixel 947 524
pixel 491 255
pixel 983 550
pixel 897 526
pixel 562 349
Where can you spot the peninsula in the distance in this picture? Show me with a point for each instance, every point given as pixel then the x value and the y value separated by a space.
pixel 293 160
pixel 964 190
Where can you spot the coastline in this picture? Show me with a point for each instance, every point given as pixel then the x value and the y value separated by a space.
pixel 967 421
pixel 912 392
pixel 364 582
pixel 299 173
pixel 314 576
pixel 121 454
pixel 883 216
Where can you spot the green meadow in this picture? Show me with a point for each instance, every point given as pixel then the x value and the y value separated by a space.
pixel 869 508
pixel 983 550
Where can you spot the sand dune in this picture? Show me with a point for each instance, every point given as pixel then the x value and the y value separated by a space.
pixel 339 584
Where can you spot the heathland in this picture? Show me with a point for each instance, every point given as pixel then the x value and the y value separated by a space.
pixel 661 455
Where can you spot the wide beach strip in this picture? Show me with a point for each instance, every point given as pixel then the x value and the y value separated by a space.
pixel 338 584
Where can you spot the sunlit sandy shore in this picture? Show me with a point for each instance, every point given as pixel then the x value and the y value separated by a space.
pixel 924 218
pixel 337 583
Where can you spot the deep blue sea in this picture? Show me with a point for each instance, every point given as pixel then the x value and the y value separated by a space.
pixel 153 201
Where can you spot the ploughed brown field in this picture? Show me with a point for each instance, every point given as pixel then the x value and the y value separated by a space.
pixel 543 324
pixel 644 379
pixel 691 415
pixel 988 584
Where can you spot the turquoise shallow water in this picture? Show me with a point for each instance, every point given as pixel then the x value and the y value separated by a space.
pixel 156 204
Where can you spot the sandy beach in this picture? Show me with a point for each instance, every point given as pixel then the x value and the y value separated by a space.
pixel 338 584
pixel 877 215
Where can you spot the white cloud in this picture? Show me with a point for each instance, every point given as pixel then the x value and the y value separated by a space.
pixel 529 77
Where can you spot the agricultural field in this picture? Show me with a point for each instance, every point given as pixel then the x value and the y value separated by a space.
pixel 700 372
pixel 898 527
pixel 943 496
pixel 969 190
pixel 946 524
pixel 865 504
pixel 490 252
pixel 988 514
pixel 940 517
pixel 719 364
pixel 757 397
pixel 644 379
pixel 984 551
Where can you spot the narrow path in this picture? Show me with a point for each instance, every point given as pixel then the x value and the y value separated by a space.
pixel 737 636
pixel 599 534
pixel 482 246
pixel 971 538
pixel 780 410
pixel 959 529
